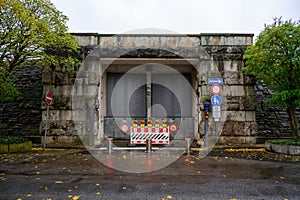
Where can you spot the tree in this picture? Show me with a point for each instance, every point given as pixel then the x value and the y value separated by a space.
pixel 32 31
pixel 275 59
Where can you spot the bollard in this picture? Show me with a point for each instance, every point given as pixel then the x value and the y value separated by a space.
pixel 187 148
pixel 109 146
pixel 148 145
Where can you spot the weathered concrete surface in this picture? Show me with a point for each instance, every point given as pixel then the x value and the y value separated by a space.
pixel 213 55
pixel 67 174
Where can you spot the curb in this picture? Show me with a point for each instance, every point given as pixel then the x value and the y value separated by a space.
pixel 284 149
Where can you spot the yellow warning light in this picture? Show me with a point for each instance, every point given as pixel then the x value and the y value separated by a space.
pixel 156 123
pixel 142 123
pixel 135 123
pixel 149 122
pixel 164 123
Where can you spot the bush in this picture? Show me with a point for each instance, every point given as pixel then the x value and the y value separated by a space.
pixel 11 139
pixel 295 141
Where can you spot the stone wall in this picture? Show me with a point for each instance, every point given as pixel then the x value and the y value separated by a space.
pixel 238 90
pixel 223 53
pixel 271 121
pixel 23 117
pixel 61 125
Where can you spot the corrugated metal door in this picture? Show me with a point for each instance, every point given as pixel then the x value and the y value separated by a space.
pixel 173 93
pixel 126 95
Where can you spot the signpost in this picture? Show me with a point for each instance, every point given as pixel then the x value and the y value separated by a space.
pixel 216 100
pixel 49 101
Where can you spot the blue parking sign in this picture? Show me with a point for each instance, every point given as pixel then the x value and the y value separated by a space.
pixel 216 100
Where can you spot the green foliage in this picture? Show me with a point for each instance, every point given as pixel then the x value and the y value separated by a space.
pixel 8 91
pixel 33 31
pixel 275 59
pixel 295 141
pixel 11 139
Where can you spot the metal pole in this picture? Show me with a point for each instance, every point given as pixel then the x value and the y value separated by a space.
pixel 148 145
pixel 216 127
pixel 187 148
pixel 46 127
pixel 109 145
pixel 206 132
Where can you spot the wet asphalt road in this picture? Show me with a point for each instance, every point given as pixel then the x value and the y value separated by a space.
pixel 76 174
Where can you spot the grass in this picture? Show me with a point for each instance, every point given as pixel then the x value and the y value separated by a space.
pixel 11 139
pixel 295 141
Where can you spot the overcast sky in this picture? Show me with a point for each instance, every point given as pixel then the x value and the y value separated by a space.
pixel 180 16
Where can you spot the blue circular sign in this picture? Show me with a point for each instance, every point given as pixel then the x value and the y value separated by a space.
pixel 216 100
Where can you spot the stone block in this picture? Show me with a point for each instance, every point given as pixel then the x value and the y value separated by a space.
pixel 231 103
pixel 235 116
pixel 79 115
pixel 141 41
pixel 168 42
pixel 87 40
pixel 233 65
pixel 66 115
pixel 228 140
pixel 125 41
pixel 93 78
pixel 54 115
pixel 250 116
pixel 154 42
pixel 248 103
pixel 233 78
pixel 234 128
pixel 294 150
pixel 250 128
pixel 234 90
pixel 107 42
pixel 188 41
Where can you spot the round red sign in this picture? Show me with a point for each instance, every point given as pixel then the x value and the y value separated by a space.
pixel 49 98
pixel 216 89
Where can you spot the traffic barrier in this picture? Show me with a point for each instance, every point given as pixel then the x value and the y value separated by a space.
pixel 158 135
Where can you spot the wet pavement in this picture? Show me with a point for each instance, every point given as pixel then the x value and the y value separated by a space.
pixel 76 174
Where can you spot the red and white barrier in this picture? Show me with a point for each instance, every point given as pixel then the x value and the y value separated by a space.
pixel 158 135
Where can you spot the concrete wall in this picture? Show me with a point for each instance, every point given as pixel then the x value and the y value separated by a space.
pixel 215 55
pixel 212 52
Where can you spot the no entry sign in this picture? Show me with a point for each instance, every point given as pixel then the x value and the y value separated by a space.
pixel 49 98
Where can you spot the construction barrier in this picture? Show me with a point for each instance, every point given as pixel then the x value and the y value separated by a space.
pixel 158 135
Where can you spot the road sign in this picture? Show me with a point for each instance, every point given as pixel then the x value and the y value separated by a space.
pixel 49 98
pixel 216 111
pixel 216 89
pixel 216 100
pixel 212 81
